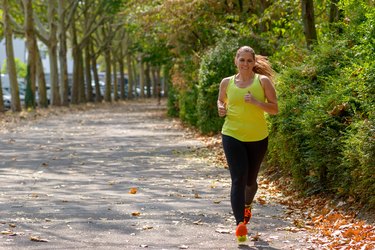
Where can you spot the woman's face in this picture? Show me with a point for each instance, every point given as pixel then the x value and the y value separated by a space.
pixel 245 61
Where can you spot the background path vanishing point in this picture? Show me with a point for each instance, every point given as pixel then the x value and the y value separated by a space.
pixel 66 182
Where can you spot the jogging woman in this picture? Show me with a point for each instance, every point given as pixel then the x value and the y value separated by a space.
pixel 243 99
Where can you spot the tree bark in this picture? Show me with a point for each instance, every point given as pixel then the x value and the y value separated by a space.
pixel 309 22
pixel 98 94
pixel 1 95
pixel 74 91
pixel 81 78
pixel 154 81
pixel 31 48
pixel 130 76
pixel 141 77
pixel 42 90
pixel 52 51
pixel 108 78
pixel 115 82
pixel 122 78
pixel 64 83
pixel 89 95
pixel 148 79
pixel 11 65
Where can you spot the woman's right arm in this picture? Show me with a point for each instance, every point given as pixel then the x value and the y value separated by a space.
pixel 221 100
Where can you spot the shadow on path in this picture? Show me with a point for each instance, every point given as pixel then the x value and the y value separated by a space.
pixel 67 180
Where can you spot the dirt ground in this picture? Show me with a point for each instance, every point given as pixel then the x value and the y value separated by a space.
pixel 123 177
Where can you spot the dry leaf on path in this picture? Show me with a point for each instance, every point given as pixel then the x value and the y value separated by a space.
pixel 37 239
pixel 223 230
pixel 133 191
pixel 136 213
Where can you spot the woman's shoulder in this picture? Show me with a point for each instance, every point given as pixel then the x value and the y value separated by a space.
pixel 263 79
pixel 226 80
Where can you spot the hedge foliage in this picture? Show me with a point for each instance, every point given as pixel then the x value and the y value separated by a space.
pixel 324 134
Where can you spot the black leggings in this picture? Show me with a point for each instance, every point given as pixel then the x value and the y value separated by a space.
pixel 244 160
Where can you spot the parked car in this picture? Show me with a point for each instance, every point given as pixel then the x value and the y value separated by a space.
pixel 101 86
pixel 5 83
pixel 6 99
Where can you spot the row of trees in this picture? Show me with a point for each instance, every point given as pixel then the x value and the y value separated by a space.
pixel 95 31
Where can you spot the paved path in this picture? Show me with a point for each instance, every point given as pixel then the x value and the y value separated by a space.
pixel 67 179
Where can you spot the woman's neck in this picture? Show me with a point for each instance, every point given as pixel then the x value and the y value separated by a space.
pixel 244 77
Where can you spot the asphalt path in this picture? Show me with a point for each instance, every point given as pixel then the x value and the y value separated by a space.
pixel 121 177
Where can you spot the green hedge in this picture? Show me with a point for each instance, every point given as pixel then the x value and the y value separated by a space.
pixel 324 133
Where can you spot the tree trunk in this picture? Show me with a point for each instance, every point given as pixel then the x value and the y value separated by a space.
pixel 98 93
pixel 122 78
pixel 31 48
pixel 135 82
pixel 141 77
pixel 148 79
pixel 81 78
pixel 1 95
pixel 11 65
pixel 308 22
pixel 64 84
pixel 107 94
pixel 115 81
pixel 158 84
pixel 89 95
pixel 166 81
pixel 52 51
pixel 154 81
pixel 333 11
pixel 42 91
pixel 130 76
pixel 75 84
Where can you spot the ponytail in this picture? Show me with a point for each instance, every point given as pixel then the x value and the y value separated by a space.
pixel 263 67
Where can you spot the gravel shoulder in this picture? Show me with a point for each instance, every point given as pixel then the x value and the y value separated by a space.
pixel 67 183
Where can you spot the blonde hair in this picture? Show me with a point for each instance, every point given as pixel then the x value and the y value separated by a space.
pixel 262 65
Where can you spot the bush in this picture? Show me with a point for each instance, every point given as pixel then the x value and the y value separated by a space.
pixel 188 107
pixel 216 64
pixel 172 103
pixel 324 134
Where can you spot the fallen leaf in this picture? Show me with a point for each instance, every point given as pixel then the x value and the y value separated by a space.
pixel 223 230
pixel 256 237
pixel 198 222
pixel 37 239
pixel 7 232
pixel 261 201
pixel 34 195
pixel 133 191
pixel 136 213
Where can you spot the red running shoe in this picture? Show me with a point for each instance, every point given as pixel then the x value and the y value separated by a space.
pixel 247 214
pixel 241 233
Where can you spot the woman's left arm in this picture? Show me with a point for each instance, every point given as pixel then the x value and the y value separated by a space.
pixel 270 106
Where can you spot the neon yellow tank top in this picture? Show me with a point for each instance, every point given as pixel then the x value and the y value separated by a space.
pixel 244 121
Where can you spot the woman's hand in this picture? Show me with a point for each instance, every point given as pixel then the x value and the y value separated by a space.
pixel 249 98
pixel 222 110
